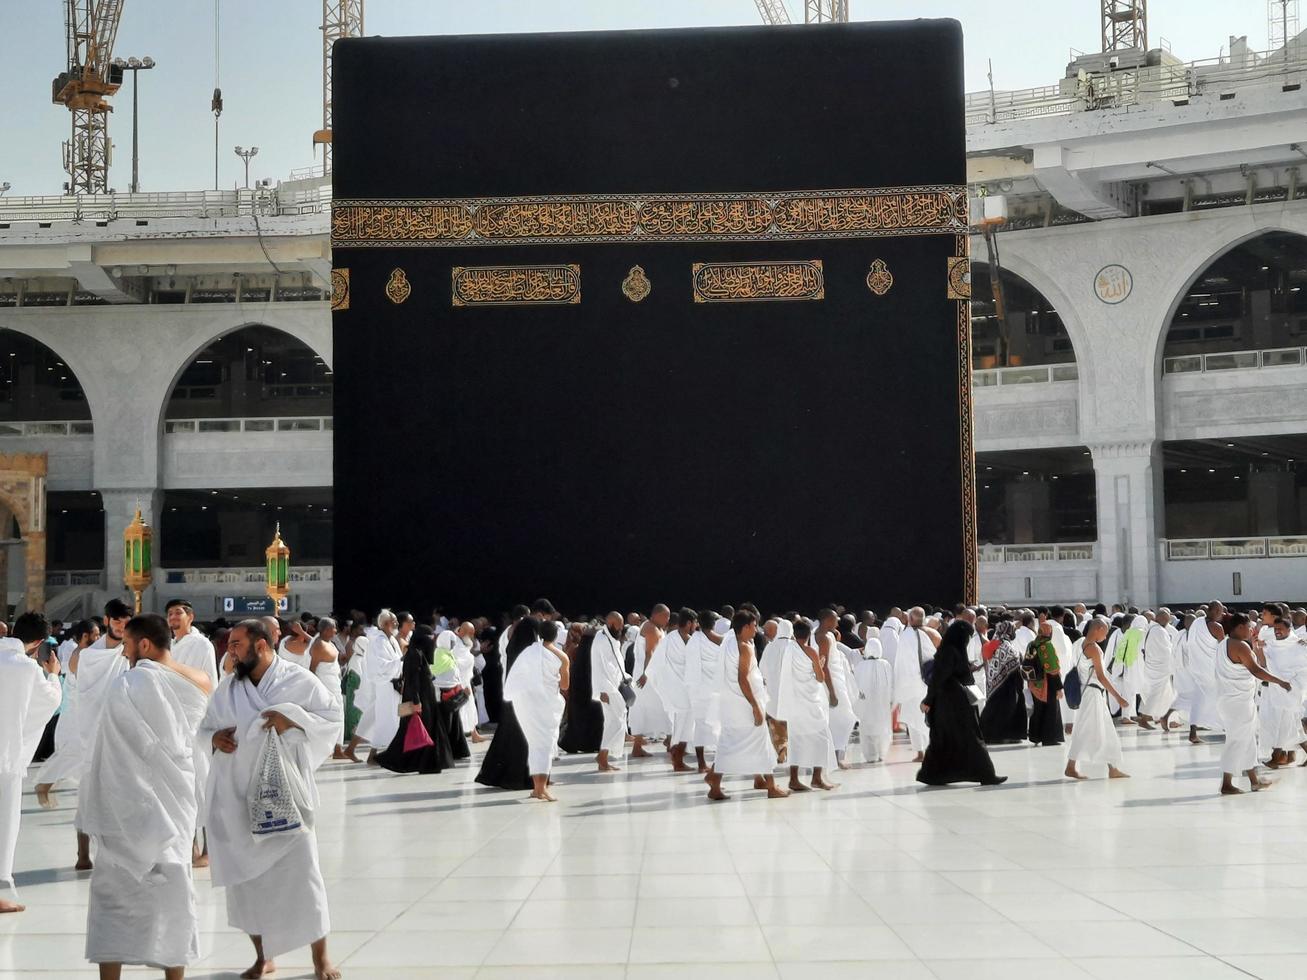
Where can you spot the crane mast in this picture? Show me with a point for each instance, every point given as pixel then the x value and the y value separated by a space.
pixel 814 11
pixel 84 87
pixel 340 18
pixel 1125 24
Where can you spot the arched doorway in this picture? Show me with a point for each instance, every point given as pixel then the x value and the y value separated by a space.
pixel 38 387
pixel 1246 309
pixel 254 373
pixel 1028 343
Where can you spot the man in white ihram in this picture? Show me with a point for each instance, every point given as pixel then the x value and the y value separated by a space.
pixel 916 649
pixel 138 805
pixel 29 696
pixel 275 892
pixel 191 648
pixel 377 697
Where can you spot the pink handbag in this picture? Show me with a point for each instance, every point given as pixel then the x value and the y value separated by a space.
pixel 416 737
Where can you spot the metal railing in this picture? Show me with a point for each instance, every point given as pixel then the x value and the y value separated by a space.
pixel 1011 554
pixel 1040 374
pixel 20 429
pixel 1235 360
pixel 256 576
pixel 1135 86
pixel 1198 549
pixel 319 423
pixel 72 579
pixel 267 201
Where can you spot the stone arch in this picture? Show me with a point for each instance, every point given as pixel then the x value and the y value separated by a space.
pixel 1014 284
pixel 299 337
pixel 81 369
pixel 1224 238
pixel 1044 284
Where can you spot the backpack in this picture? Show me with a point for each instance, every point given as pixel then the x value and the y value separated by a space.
pixel 1071 687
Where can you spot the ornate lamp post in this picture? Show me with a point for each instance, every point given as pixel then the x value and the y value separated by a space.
pixel 278 559
pixel 137 558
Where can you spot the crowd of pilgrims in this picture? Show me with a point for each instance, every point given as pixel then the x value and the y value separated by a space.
pixel 163 727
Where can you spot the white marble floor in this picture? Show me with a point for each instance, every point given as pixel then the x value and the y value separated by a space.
pixel 637 876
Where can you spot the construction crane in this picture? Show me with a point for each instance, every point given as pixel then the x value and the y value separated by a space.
pixel 814 11
pixel 90 78
pixel 1125 24
pixel 340 18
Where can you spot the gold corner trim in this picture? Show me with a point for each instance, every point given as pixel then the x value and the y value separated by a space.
pixel 339 289
pixel 966 437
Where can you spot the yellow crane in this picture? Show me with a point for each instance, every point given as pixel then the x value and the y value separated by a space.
pixel 84 87
pixel 340 18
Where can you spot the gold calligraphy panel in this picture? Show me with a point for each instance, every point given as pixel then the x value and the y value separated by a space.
pixel 603 218
pixel 340 289
pixel 743 282
pixel 516 285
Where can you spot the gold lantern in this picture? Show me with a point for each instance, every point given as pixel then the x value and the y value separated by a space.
pixel 137 558
pixel 278 558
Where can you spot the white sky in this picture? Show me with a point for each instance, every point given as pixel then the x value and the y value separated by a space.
pixel 271 64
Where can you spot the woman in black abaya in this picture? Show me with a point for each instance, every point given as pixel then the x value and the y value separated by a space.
pixel 1004 716
pixel 505 762
pixel 956 753
pixel 416 689
pixel 584 729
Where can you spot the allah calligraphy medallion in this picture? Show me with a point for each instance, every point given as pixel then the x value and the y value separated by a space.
pixel 636 285
pixel 879 278
pixel 340 289
pixel 398 288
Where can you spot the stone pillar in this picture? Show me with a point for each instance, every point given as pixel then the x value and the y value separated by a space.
pixel 119 509
pixel 1272 503
pixel 1130 520
pixel 1029 511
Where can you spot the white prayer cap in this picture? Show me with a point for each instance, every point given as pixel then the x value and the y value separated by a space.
pixel 721 626
pixel 873 632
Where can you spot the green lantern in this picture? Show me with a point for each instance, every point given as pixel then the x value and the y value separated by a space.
pixel 278 568
pixel 137 558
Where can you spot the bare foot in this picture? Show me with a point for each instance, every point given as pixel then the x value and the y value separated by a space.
pixel 640 753
pixel 84 865
pixel 352 757
pixel 797 787
pixel 326 972
pixel 822 784
pixel 776 793
pixel 1070 772
pixel 339 753
pixel 44 796
pixel 1127 721
pixel 703 768
pixel 1194 739
pixel 919 757
pixel 1231 791
pixel 476 736
pixel 200 862
pixel 843 765
pixel 1260 784
pixel 681 767
pixel 1145 726
pixel 372 758
pixel 261 968
pixel 610 768
pixel 1114 773
pixel 544 796
pixel 11 907
pixel 759 782
pixel 716 795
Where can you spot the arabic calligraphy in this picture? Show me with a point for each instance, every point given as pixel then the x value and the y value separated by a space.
pixel 602 218
pixel 340 289
pixel 636 286
pixel 1113 284
pixel 959 277
pixel 879 278
pixel 736 282
pixel 398 287
pixel 516 285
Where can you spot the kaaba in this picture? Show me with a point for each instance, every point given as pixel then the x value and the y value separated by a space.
pixel 652 316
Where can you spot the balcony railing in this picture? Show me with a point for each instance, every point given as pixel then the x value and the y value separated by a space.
pixel 1011 554
pixel 256 576
pixel 1237 360
pixel 1135 86
pixel 1207 549
pixel 70 579
pixel 318 423
pixel 1041 374
pixel 267 201
pixel 21 429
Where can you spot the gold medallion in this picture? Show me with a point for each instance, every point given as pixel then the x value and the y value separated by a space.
pixel 879 278
pixel 636 285
pixel 398 288
pixel 959 277
pixel 340 289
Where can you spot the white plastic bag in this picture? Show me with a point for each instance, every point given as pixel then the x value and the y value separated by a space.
pixel 276 795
